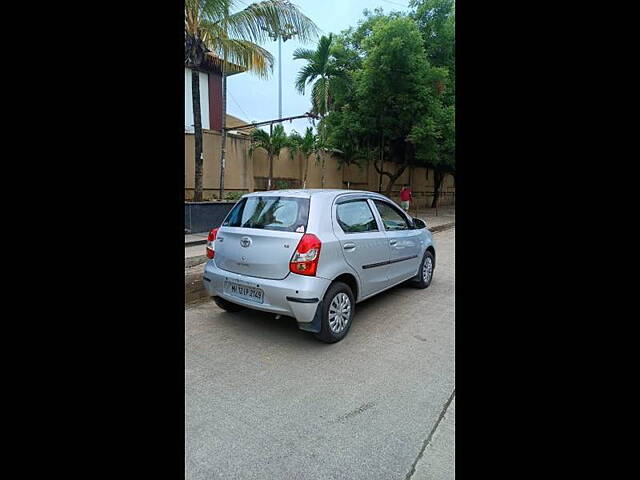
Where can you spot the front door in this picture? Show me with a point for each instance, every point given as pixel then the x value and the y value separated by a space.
pixel 403 240
pixel 364 244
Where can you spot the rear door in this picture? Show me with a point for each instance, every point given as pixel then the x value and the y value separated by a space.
pixel 260 234
pixel 363 243
pixel 403 240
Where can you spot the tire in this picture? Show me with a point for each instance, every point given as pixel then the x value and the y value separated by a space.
pixel 227 305
pixel 338 294
pixel 425 275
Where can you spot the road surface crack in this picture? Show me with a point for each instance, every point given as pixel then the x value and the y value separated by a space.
pixel 355 412
pixel 427 441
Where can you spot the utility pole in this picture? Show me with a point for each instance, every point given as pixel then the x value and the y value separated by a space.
pixel 270 158
pixel 282 36
pixel 279 77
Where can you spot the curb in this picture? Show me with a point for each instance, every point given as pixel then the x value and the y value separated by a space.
pixel 194 261
pixel 194 291
pixel 440 228
pixel 195 242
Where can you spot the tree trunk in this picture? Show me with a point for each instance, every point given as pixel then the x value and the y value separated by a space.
pixel 344 167
pixel 393 178
pixel 306 174
pixel 323 141
pixel 270 181
pixel 438 176
pixel 413 203
pixel 223 143
pixel 197 130
pixel 270 158
pixel 381 165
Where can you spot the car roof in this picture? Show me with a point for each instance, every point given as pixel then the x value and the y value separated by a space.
pixel 308 193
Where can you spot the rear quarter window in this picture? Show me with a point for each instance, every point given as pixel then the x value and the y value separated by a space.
pixel 288 214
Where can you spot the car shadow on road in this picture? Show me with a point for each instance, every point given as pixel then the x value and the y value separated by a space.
pixel 379 299
pixel 263 326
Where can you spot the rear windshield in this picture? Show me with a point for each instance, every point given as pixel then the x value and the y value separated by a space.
pixel 287 214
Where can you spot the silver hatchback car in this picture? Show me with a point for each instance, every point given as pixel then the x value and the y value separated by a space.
pixel 314 254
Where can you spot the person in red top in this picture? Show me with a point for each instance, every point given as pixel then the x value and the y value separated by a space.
pixel 405 197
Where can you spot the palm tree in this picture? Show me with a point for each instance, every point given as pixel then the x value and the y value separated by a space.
pixel 272 143
pixel 323 146
pixel 349 154
pixel 305 146
pixel 230 38
pixel 321 68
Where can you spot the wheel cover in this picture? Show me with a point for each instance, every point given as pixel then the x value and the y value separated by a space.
pixel 339 312
pixel 427 269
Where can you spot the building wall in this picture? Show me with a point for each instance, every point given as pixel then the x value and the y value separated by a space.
pixel 188 100
pixel 238 164
pixel 247 173
pixel 215 101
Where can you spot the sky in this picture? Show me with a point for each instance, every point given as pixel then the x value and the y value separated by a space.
pixel 254 100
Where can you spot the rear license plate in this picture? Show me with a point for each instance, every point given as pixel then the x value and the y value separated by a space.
pixel 247 293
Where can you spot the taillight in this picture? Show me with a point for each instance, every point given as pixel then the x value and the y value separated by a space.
pixel 305 258
pixel 211 249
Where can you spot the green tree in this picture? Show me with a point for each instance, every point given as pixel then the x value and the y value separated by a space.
pixel 398 104
pixel 304 146
pixel 320 68
pixel 272 143
pixel 212 30
pixel 348 154
pixel 396 87
pixel 312 145
pixel 435 145
pixel 345 137
pixel 322 148
pixel 436 21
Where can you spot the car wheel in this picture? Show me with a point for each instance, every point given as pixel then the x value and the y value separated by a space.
pixel 337 310
pixel 227 305
pixel 425 274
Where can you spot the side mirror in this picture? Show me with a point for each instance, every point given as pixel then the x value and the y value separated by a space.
pixel 419 224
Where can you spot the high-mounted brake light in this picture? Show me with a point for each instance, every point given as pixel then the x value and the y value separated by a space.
pixel 305 259
pixel 211 249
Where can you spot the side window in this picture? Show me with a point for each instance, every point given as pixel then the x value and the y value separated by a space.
pixel 356 216
pixel 391 217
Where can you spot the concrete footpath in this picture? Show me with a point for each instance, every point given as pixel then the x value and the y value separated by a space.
pixel 194 244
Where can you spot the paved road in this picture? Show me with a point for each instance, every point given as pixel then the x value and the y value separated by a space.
pixel 264 400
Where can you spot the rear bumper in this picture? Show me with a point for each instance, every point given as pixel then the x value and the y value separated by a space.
pixel 296 296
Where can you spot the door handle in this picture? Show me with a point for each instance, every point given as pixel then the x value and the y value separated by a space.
pixel 392 242
pixel 349 246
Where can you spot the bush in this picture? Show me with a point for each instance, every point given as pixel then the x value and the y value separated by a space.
pixel 233 195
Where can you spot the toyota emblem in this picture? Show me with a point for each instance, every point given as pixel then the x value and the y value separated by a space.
pixel 245 242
